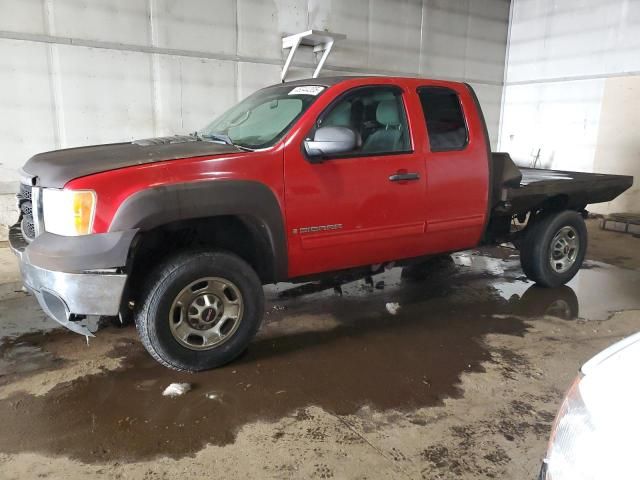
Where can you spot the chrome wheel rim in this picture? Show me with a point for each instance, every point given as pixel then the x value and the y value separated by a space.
pixel 564 249
pixel 206 313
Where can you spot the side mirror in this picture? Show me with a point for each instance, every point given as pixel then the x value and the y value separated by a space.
pixel 330 141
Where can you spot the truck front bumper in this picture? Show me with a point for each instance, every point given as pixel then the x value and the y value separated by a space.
pixel 69 296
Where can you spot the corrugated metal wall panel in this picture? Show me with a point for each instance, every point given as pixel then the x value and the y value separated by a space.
pixel 88 71
pixel 560 58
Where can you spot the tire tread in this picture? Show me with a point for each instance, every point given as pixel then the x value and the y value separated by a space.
pixel 533 255
pixel 152 294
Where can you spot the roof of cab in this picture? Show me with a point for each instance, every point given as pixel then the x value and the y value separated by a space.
pixel 322 81
pixel 331 81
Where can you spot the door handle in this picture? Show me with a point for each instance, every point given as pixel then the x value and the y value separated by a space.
pixel 403 177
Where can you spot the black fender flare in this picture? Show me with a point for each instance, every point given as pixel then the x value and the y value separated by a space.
pixel 252 200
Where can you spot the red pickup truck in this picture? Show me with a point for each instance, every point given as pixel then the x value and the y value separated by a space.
pixel 296 181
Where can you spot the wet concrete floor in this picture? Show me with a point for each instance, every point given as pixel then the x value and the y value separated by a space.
pixel 333 345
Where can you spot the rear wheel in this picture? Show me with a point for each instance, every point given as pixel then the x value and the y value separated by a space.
pixel 200 311
pixel 553 248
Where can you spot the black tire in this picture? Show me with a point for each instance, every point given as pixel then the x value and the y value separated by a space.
pixel 169 280
pixel 536 247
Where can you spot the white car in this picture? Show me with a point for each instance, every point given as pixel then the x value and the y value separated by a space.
pixel 596 432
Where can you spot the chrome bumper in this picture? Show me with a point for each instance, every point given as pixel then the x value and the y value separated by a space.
pixel 64 296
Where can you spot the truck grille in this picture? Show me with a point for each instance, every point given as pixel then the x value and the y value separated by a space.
pixel 26 212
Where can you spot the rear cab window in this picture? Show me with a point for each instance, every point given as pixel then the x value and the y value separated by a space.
pixel 445 120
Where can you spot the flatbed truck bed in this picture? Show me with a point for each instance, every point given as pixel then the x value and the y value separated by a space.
pixel 524 189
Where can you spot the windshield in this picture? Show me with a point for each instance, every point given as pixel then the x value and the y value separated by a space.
pixel 261 119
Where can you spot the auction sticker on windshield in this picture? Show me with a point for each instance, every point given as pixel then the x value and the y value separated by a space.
pixel 307 90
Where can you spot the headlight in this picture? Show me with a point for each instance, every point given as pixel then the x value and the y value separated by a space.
pixel 594 435
pixel 68 212
pixel 572 438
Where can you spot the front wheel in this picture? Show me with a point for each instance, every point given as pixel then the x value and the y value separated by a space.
pixel 200 311
pixel 554 248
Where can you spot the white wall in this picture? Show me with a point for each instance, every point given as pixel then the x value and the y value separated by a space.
pixel 76 72
pixel 618 144
pixel 559 58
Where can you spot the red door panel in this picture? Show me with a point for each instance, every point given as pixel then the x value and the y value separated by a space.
pixel 458 182
pixel 346 212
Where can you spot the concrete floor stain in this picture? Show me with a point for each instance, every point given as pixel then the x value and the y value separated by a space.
pixel 330 344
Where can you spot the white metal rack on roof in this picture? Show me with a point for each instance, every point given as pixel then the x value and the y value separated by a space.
pixel 321 41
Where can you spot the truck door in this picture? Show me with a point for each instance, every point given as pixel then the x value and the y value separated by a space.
pixel 362 207
pixel 457 166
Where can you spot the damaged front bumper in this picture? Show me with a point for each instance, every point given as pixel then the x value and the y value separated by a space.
pixel 69 297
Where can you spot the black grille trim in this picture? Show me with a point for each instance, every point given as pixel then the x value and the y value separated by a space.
pixel 25 192
pixel 26 212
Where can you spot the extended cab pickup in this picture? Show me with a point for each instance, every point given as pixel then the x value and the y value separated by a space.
pixel 297 180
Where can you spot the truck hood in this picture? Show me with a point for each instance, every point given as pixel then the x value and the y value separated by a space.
pixel 55 169
pixel 622 357
pixel 610 389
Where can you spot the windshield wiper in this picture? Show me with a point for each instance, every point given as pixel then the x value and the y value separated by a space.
pixel 220 138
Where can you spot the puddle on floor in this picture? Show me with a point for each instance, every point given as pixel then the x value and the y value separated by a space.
pixel 20 357
pixel 21 314
pixel 333 345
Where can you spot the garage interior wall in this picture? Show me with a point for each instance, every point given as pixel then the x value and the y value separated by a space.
pixel 572 89
pixel 80 72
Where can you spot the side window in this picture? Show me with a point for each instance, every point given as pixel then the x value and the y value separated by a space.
pixel 445 119
pixel 377 116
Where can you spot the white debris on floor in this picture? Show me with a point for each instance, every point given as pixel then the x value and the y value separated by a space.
pixel 213 396
pixel 176 389
pixel 462 259
pixel 393 307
